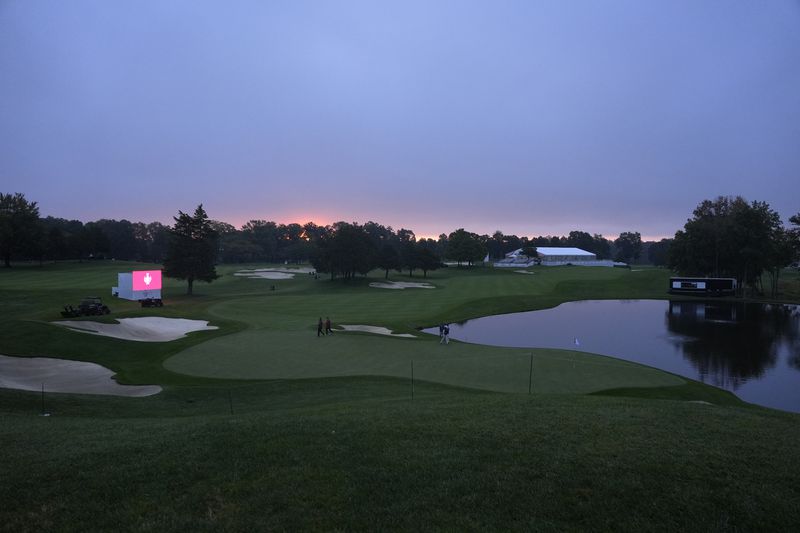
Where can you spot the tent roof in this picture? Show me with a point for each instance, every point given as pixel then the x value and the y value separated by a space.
pixel 557 250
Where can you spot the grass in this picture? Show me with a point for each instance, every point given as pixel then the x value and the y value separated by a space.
pixel 271 334
pixel 357 454
pixel 262 426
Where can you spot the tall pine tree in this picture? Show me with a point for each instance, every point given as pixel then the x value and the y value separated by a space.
pixel 192 249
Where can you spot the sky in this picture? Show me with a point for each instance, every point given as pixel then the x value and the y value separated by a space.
pixel 524 116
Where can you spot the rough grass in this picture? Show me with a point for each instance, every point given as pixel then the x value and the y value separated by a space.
pixel 358 454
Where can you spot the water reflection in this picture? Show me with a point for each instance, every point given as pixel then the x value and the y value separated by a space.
pixel 729 343
pixel 751 349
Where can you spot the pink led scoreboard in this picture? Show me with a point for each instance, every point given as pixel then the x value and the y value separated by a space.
pixel 146 280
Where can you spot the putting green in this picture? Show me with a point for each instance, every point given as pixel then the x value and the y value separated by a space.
pixel 281 341
pixel 270 354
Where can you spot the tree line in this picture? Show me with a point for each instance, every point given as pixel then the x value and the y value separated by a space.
pixel 727 237
pixel 26 236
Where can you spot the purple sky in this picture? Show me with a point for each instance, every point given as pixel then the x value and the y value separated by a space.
pixel 523 116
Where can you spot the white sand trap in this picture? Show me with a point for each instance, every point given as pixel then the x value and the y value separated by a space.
pixel 375 329
pixel 265 275
pixel 143 329
pixel 60 375
pixel 274 273
pixel 524 272
pixel 401 285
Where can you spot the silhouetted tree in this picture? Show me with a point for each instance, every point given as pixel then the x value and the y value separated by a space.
pixel 119 239
pixel 658 253
pixel 794 235
pixel 727 237
pixel 157 236
pixel 464 247
pixel 388 259
pixel 56 244
pixel 312 232
pixel 629 246
pixel 780 254
pixel 582 240
pixel 19 225
pixel 192 249
pixel 407 250
pixel 93 242
pixel 427 259
pixel 602 246
pixel 346 251
pixel 264 235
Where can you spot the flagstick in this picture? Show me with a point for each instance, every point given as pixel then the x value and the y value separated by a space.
pixel 530 376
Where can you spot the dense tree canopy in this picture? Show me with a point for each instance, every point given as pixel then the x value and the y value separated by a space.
pixel 388 259
pixel 20 229
pixel 427 259
pixel 658 253
pixel 345 251
pixel 498 245
pixel 464 247
pixel 730 237
pixel 794 236
pixel 582 240
pixel 629 246
pixel 192 249
pixel 349 249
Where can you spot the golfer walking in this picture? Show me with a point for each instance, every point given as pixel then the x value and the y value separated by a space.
pixel 445 334
pixel 319 328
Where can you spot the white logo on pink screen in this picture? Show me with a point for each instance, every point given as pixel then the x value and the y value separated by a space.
pixel 146 280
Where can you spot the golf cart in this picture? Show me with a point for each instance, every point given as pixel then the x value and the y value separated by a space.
pixel 89 306
pixel 152 302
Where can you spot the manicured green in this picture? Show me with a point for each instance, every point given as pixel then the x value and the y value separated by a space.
pixel 263 426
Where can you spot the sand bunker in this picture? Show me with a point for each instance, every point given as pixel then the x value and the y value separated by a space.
pixel 274 273
pixel 265 275
pixel 60 375
pixel 401 285
pixel 524 272
pixel 375 329
pixel 143 329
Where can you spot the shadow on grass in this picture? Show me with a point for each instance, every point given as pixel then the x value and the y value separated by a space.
pixel 690 391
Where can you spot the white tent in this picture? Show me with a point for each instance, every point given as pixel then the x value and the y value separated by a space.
pixel 554 256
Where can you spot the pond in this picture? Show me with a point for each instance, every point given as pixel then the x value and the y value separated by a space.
pixel 752 350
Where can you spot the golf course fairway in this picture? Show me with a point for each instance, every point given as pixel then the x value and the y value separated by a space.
pixel 263 425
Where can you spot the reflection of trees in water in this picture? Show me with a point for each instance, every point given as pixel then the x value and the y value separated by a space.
pixel 793 339
pixel 733 342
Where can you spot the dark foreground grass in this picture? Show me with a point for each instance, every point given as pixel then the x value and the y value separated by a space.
pixel 358 454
